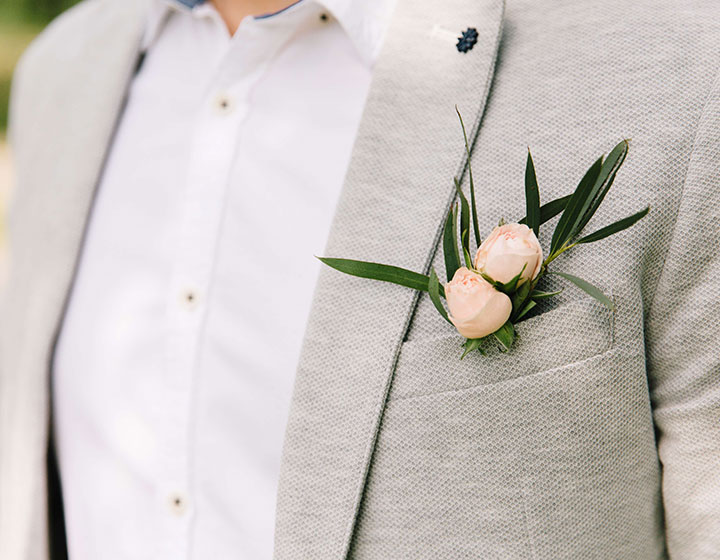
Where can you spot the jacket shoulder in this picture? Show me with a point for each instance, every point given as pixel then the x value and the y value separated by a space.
pixel 76 34
pixel 62 39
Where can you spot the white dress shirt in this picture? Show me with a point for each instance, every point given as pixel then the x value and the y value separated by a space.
pixel 175 364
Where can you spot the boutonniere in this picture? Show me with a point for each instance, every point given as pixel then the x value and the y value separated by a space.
pixel 488 294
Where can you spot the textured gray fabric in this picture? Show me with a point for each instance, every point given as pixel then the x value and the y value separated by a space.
pixel 396 449
pixel 426 361
pixel 559 460
pixel 396 192
pixel 559 464
pixel 683 332
pixel 66 95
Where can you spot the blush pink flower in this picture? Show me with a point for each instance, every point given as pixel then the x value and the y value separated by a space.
pixel 510 247
pixel 477 309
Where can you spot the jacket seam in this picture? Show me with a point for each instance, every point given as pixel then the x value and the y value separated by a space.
pixel 419 396
pixel 681 195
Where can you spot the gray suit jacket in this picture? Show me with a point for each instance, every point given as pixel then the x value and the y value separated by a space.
pixel 598 436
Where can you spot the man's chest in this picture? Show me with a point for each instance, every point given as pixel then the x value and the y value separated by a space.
pixel 187 313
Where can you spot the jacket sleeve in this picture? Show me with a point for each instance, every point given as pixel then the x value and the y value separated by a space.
pixel 683 354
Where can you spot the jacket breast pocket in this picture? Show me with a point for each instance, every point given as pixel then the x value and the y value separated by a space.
pixel 545 452
pixel 568 334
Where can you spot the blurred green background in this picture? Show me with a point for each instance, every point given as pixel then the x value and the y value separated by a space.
pixel 20 21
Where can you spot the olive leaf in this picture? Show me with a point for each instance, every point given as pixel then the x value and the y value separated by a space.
pixel 434 292
pixel 508 288
pixel 588 288
pixel 472 344
pixel 528 306
pixel 536 294
pixel 382 272
pixel 551 209
pixel 588 196
pixel 532 196
pixel 450 244
pixel 505 335
pixel 609 170
pixel 476 228
pixel 573 213
pixel 464 218
pixel 614 227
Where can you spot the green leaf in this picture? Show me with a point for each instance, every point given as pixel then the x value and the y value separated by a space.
pixel 434 291
pixel 575 207
pixel 593 196
pixel 532 196
pixel 472 344
pixel 473 207
pixel 614 227
pixel 468 258
pixel 588 288
pixel 464 217
pixel 381 272
pixel 528 306
pixel 520 296
pixel 495 284
pixel 610 167
pixel 505 335
pixel 508 287
pixel 450 245
pixel 551 209
pixel 544 295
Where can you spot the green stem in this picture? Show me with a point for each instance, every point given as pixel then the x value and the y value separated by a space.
pixel 557 253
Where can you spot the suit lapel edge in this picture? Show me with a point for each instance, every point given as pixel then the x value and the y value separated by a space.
pixel 345 374
pixel 461 173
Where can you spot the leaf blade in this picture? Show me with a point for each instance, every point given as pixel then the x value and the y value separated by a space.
pixel 588 288
pixel 381 272
pixel 464 217
pixel 450 247
pixel 473 206
pixel 528 306
pixel 532 196
pixel 434 292
pixel 536 294
pixel 505 335
pixel 573 212
pixel 519 297
pixel 614 228
pixel 551 209
pixel 472 344
pixel 609 170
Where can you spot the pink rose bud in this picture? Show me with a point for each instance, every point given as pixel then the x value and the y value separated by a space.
pixel 510 247
pixel 477 309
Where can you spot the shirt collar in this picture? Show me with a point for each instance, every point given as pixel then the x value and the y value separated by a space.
pixel 364 21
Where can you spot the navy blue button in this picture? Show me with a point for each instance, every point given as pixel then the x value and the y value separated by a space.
pixel 467 40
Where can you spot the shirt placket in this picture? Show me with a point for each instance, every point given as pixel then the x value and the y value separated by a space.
pixel 215 141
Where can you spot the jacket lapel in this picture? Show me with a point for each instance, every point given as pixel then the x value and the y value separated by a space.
pixel 67 114
pixel 397 191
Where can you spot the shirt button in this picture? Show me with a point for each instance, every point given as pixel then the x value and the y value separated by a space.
pixel 223 103
pixel 177 502
pixel 189 299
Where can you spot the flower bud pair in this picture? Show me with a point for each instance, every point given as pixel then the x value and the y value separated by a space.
pixel 477 309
